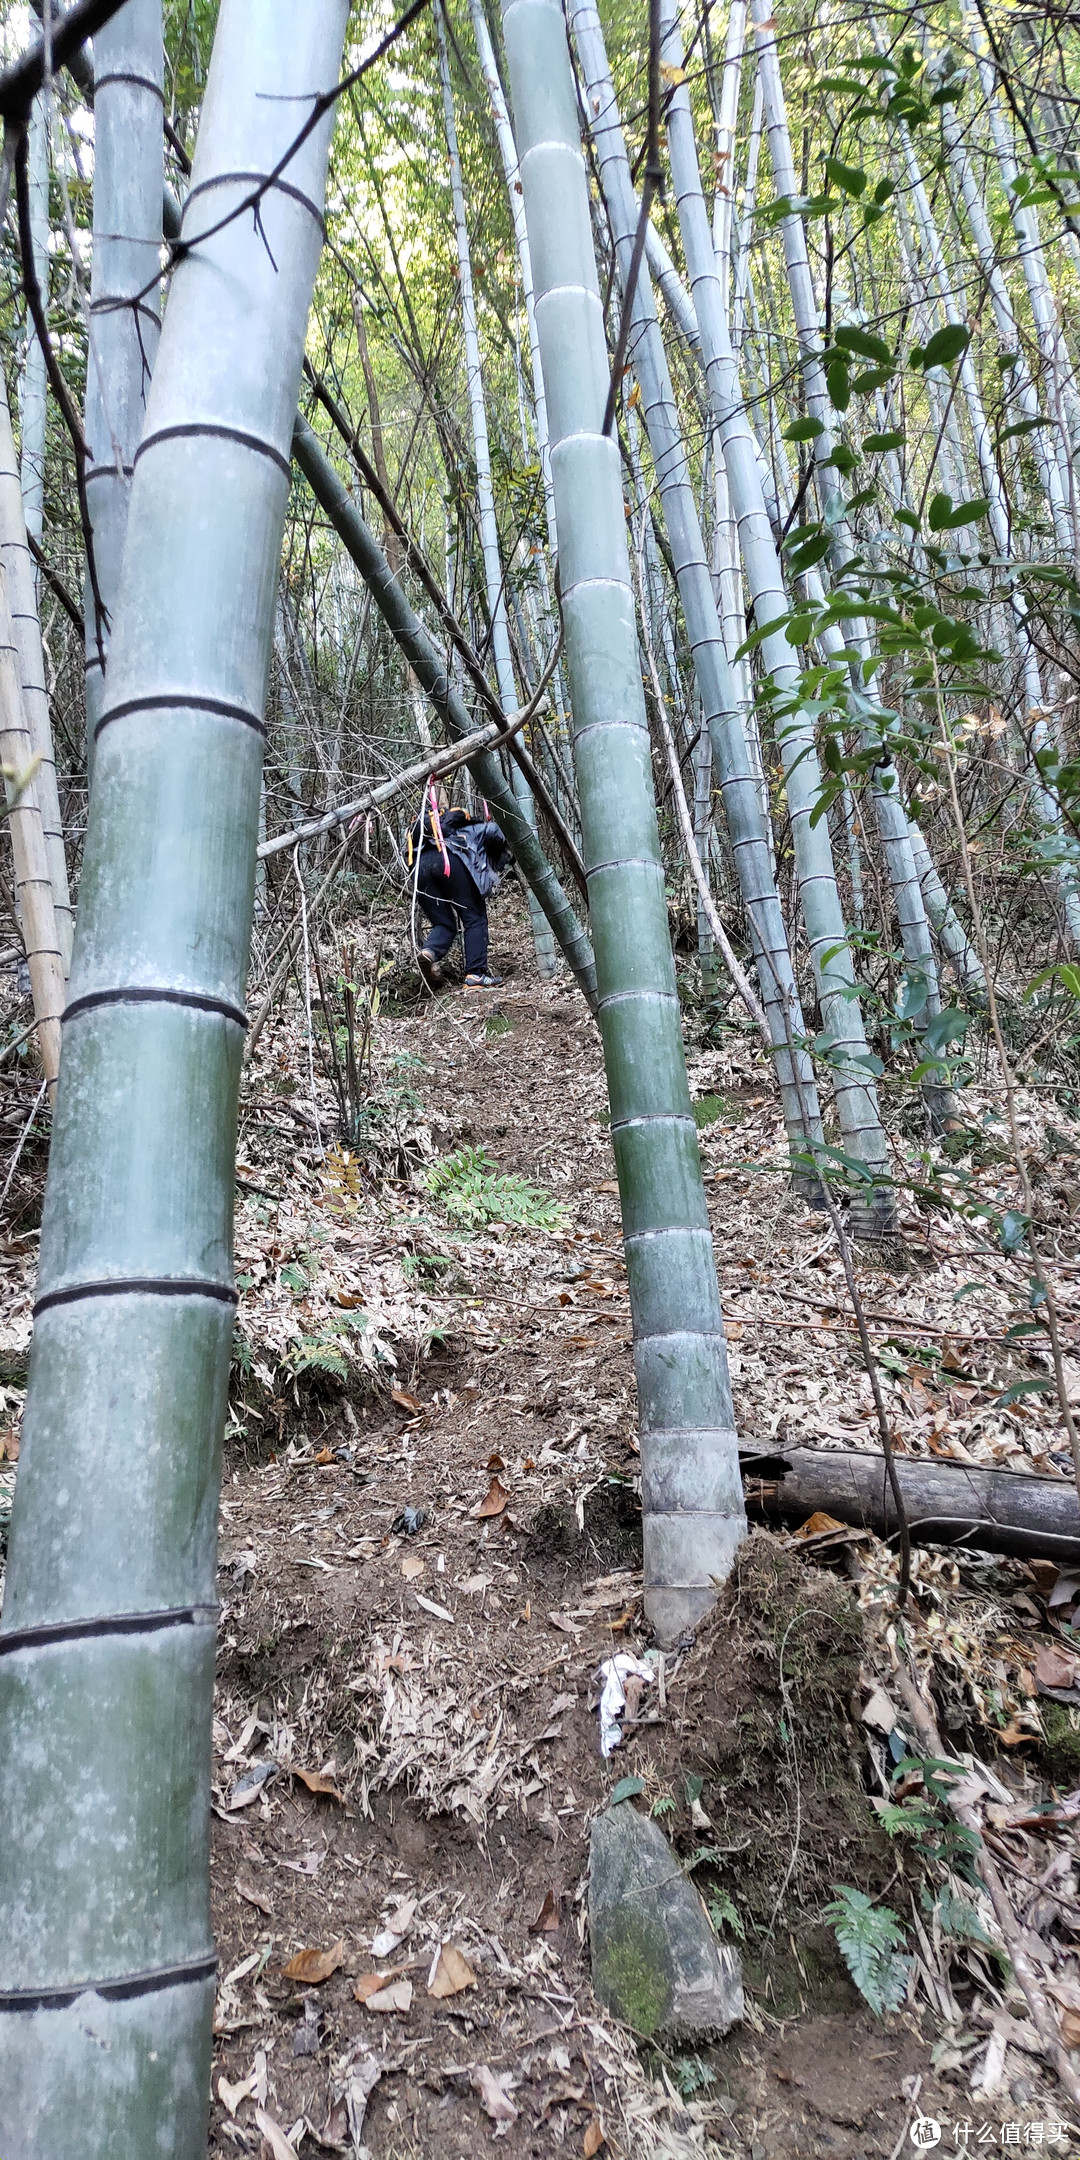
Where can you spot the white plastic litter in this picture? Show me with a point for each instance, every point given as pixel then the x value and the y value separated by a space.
pixel 615 1672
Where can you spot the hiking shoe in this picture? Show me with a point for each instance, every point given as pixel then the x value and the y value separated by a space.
pixel 483 982
pixel 429 967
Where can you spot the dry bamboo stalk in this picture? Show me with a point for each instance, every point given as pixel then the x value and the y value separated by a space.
pixel 1042 2015
pixel 22 596
pixel 33 884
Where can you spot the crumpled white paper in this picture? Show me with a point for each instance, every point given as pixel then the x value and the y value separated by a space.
pixel 614 1672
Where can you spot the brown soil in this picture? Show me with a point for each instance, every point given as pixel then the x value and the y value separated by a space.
pixel 441 1685
pixel 465 1740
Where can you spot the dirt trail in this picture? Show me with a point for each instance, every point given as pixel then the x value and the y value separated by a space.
pixel 405 1746
pixel 444 1680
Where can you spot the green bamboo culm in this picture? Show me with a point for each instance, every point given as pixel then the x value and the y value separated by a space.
pixel 691 1493
pixel 128 191
pixel 108 1628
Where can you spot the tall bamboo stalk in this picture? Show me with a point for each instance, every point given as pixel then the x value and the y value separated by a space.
pixel 509 158
pixel 738 782
pixel 33 883
pixel 691 1499
pixel 32 398
pixel 485 496
pixel 1037 732
pixel 22 595
pixel 889 810
pixel 124 328
pixel 856 1098
pixel 108 1626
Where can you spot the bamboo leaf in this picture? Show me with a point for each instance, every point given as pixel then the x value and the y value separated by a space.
pixel 866 345
pixel 838 383
pixel 849 178
pixel 946 345
pixel 1021 427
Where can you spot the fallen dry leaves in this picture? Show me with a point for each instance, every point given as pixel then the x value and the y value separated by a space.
pixel 1054 1666
pixel 371 1984
pixel 450 1971
pixel 275 2136
pixel 254 1897
pixel 317 1782
pixel 493 1502
pixel 231 2096
pixel 312 1967
pixel 395 1998
pixel 594 2138
pixel 547 1919
pixel 494 2101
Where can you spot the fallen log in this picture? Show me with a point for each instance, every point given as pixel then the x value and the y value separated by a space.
pixel 946 1503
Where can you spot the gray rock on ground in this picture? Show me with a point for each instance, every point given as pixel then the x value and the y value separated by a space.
pixel 656 1961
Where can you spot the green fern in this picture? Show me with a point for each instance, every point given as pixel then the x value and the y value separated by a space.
pixel 911 1819
pixel 690 2074
pixel 317 1354
pixel 871 1944
pixel 957 1918
pixel 474 1191
pixel 723 1913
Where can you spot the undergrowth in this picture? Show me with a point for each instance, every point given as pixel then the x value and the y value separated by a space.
pixel 473 1191
pixel 871 1943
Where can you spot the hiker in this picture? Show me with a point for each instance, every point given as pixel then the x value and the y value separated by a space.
pixel 461 859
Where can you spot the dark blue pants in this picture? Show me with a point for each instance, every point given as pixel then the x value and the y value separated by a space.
pixel 452 904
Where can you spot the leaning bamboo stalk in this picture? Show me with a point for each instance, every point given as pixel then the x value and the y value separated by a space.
pixel 1060 370
pixel 32 400
pixel 440 762
pixel 706 903
pixel 107 1637
pixel 1021 388
pixel 33 884
pixel 432 767
pixel 1038 734
pixel 727 110
pixel 431 672
pixel 22 595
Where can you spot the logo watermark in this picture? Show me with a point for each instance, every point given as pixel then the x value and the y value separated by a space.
pixel 926 2132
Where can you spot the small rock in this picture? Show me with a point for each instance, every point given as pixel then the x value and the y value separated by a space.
pixel 656 1961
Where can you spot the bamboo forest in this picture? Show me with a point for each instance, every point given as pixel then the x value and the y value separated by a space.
pixel 539 1078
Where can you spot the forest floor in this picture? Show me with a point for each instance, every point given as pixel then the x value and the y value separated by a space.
pixel 406 1755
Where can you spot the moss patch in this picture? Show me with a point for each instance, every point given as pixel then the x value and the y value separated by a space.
pixel 707 1109
pixel 630 1977
pixel 1062 1728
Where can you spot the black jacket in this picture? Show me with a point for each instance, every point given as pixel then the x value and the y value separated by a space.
pixel 478 843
